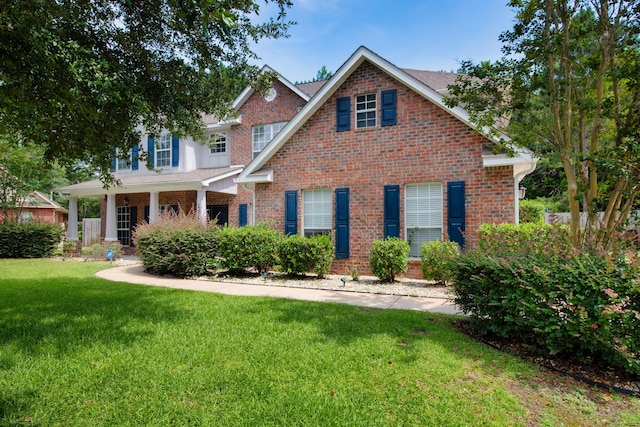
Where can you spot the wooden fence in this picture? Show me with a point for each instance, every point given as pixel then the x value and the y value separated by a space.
pixel 90 231
pixel 565 218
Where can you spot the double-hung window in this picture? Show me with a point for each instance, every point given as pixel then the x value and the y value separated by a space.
pixel 423 214
pixel 124 161
pixel 366 111
pixel 123 224
pixel 262 134
pixel 218 143
pixel 163 151
pixel 316 210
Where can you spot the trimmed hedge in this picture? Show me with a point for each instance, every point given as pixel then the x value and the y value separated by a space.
pixel 437 260
pixel 531 211
pixel 298 254
pixel 29 239
pixel 389 257
pixel 178 245
pixel 252 246
pixel 569 302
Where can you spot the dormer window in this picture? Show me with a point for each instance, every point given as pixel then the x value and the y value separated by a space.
pixel 218 143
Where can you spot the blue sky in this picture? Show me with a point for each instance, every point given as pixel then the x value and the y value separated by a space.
pixel 428 34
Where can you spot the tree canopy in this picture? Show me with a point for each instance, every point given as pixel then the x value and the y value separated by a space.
pixel 82 78
pixel 569 87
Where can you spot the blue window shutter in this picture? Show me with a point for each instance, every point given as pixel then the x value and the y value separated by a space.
pixel 291 212
pixel 343 114
pixel 151 148
pixel 342 223
pixel 456 212
pixel 242 215
pixel 114 162
pixel 134 158
pixel 388 107
pixel 392 211
pixel 175 150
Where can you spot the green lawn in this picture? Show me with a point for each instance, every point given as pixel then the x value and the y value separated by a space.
pixel 76 350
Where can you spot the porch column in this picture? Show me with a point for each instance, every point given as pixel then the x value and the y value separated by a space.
pixel 72 223
pixel 202 204
pixel 154 207
pixel 111 232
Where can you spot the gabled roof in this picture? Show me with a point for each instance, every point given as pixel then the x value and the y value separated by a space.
pixel 248 91
pixel 38 200
pixel 410 78
pixel 311 88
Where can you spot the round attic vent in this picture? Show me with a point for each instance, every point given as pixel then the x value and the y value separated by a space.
pixel 270 95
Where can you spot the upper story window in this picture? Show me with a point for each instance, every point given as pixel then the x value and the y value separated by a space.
pixel 366 111
pixel 218 143
pixel 163 151
pixel 262 134
pixel 423 214
pixel 316 210
pixel 124 161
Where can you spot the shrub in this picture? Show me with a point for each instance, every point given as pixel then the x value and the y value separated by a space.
pixel 508 239
pixel 437 258
pixel 580 304
pixel 531 211
pixel 29 239
pixel 253 246
pixel 298 254
pixel 178 245
pixel 389 257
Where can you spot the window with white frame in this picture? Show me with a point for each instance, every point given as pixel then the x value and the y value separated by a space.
pixel 423 214
pixel 316 211
pixel 123 225
pixel 262 134
pixel 218 143
pixel 124 161
pixel 366 111
pixel 163 151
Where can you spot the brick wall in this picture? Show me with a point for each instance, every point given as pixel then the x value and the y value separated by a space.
pixel 426 145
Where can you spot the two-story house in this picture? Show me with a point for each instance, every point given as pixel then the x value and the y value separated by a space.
pixel 370 153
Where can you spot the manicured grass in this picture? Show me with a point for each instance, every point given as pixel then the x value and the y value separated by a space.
pixel 76 350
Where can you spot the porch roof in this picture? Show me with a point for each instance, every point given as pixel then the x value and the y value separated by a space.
pixel 198 179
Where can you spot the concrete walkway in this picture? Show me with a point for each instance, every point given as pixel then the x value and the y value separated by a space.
pixel 135 274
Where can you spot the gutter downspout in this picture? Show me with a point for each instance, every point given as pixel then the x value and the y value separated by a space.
pixel 253 203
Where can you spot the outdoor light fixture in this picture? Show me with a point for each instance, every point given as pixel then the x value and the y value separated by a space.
pixel 521 192
pixel 126 200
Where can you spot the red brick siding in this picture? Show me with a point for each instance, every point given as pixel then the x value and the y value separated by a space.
pixel 426 145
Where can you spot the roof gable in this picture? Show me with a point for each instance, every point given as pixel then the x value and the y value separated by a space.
pixel 248 91
pixel 361 55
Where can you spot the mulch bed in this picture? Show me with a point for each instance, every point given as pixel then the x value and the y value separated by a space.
pixel 591 372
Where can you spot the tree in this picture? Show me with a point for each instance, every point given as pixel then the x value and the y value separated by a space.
pixel 570 84
pixel 82 78
pixel 23 170
pixel 323 74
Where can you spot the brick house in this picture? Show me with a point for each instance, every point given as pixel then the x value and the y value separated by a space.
pixel 372 152
pixel 40 208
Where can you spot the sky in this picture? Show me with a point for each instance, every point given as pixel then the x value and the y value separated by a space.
pixel 421 34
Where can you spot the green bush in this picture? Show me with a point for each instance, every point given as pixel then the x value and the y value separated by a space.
pixel 531 211
pixel 388 258
pixel 437 258
pixel 568 302
pixel 507 239
pixel 298 254
pixel 29 239
pixel 178 245
pixel 253 246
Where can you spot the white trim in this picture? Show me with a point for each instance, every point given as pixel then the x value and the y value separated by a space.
pixel 248 91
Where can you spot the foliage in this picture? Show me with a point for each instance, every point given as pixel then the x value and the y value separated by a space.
pixel 298 254
pixel 569 84
pixel 506 239
pixel 388 258
pixel 29 239
pixel 253 246
pixel 563 301
pixel 531 211
pixel 23 170
pixel 98 251
pixel 177 245
pixel 100 71
pixel 437 260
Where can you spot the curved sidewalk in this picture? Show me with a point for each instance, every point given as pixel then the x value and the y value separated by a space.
pixel 135 274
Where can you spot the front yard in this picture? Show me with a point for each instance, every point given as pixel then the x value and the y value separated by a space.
pixel 78 350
